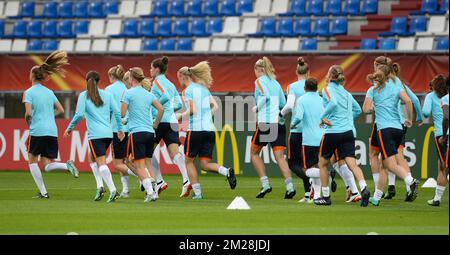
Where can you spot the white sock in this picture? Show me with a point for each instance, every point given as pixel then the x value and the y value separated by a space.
pixel 316 187
pixel 362 184
pixel 439 193
pixel 313 172
pixel 289 184
pixel 97 175
pixel 197 189
pixel 37 176
pixel 326 191
pixel 349 178
pixel 378 194
pixel 264 181
pixel 223 171
pixel 124 180
pixel 376 179
pixel 409 180
pixel 391 179
pixel 147 182
pixel 336 167
pixel 56 166
pixel 180 161
pixel 131 173
pixel 408 188
pixel 157 169
pixel 107 177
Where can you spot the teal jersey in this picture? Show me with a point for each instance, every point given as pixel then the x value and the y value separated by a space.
pixel 42 102
pixel 297 89
pixel 167 94
pixel 202 119
pixel 432 107
pixel 270 99
pixel 140 104
pixel 340 109
pixel 385 102
pixel 444 101
pixel 117 91
pixel 309 109
pixel 98 119
pixel 414 100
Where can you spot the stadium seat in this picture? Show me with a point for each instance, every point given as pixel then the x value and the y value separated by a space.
pixel 315 7
pixel 202 44
pixel 5 45
pixel 281 6
pixel 12 9
pixel 34 29
pixel 2 28
pixel 444 7
pixel 262 6
pixel 339 26
pixel 167 45
pixel 425 43
pixel 244 6
pixel 387 44
pixel 237 44
pixel 65 10
pixel 255 44
pixel 50 10
pixel 127 8
pixel 67 45
pixel 198 27
pixel 436 25
pixel 34 45
pixel 303 27
pixel 147 28
pixel 194 8
pixel 286 27
pixel 81 27
pixel 184 44
pixel 272 45
pixel 144 8
pixel 268 28
pixel 49 29
pixel 298 8
pixel 398 27
pixel 352 7
pixel 159 8
pixel 232 25
pixel 164 27
pixel 99 45
pixel 65 29
pixel 130 28
pixel 309 44
pixel 290 44
pixel 81 9
pixel 117 45
pixel 50 45
pixel 211 8
pixel 249 25
pixel 334 7
pixel 219 44
pixel 19 45
pixel 113 27
pixel 418 24
pixel 430 7
pixel 228 8
pixel 97 27
pixel 96 10
pixel 181 27
pixel 214 26
pixel 150 45
pixel 442 43
pixel 20 29
pixel 27 9
pixel 368 44
pixel 133 45
pixel 322 27
pixel 406 43
pixel 111 7
pixel 2 7
pixel 369 7
pixel 176 8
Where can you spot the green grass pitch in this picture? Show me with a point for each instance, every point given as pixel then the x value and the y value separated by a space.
pixel 71 209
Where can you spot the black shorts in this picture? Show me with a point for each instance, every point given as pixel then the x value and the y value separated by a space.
pixel 310 156
pixel 390 140
pixel 441 150
pixel 295 147
pixel 168 132
pixel 99 146
pixel 45 146
pixel 200 144
pixel 403 141
pixel 374 141
pixel 273 134
pixel 119 148
pixel 342 145
pixel 141 145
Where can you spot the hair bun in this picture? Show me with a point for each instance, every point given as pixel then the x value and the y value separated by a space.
pixel 165 60
pixel 301 61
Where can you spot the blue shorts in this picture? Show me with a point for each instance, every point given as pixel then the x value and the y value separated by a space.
pixel 390 140
pixel 141 145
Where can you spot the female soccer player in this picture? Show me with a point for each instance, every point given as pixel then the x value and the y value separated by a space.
pixel 138 101
pixel 168 128
pixel 40 103
pixel 201 138
pixel 340 110
pixel 384 97
pixel 269 102
pixel 97 106
pixel 445 124
pixel 432 107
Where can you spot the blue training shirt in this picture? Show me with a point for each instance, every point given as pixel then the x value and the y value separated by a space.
pixel 117 91
pixel 432 106
pixel 140 117
pixel 444 101
pixel 297 89
pixel 414 100
pixel 270 99
pixel 202 119
pixel 162 87
pixel 309 109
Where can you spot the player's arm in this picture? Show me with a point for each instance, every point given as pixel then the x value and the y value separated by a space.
pixel 178 104
pixel 116 114
pixel 59 109
pixel 426 109
pixel 416 104
pixel 356 108
pixel 158 106
pixel 298 117
pixel 79 113
pixel 28 113
pixel 214 105
pixel 409 107
pixel 368 102
pixel 444 122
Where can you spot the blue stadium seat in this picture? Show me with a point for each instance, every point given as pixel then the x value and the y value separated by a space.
pixel 322 27
pixel 368 44
pixel 65 29
pixel 428 6
pixel 34 45
pixel 20 29
pixel 339 26
pixel 65 10
pixel 181 27
pixel 147 28
pixel 398 27
pixel 303 27
pixel 387 44
pixel 34 29
pixel 82 27
pixel 50 10
pixel 164 27
pixel 130 28
pixel 268 28
pixel 111 7
pixel 309 44
pixel 50 45
pixel 211 8
pixel 214 25
pixel 27 9
pixel 228 8
pixel 352 7
pixel 176 8
pixel 315 7
pixel 369 7
pixel 244 6
pixel 298 8
pixel 198 27
pixel 2 28
pixel 159 8
pixel 286 27
pixel 418 24
pixel 444 6
pixel 81 9
pixel 184 44
pixel 194 8
pixel 442 43
pixel 167 45
pixel 96 10
pixel 150 45
pixel 49 30
pixel 334 7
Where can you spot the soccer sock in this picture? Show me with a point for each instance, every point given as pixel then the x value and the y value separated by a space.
pixel 313 172
pixel 362 184
pixel 408 188
pixel 289 184
pixel 349 178
pixel 56 166
pixel 316 187
pixel 326 191
pixel 337 168
pixel 157 169
pixel 376 179
pixel 223 171
pixel 439 193
pixel 409 180
pixel 391 179
pixel 98 177
pixel 179 160
pixel 124 180
pixel 264 181
pixel 107 177
pixel 131 173
pixel 147 182
pixel 197 189
pixel 37 176
pixel 378 194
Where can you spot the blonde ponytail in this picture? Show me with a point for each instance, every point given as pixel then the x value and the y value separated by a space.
pixel 267 66
pixel 201 73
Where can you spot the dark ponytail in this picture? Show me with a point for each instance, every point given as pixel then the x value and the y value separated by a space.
pixel 161 64
pixel 302 66
pixel 93 78
pixel 379 77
